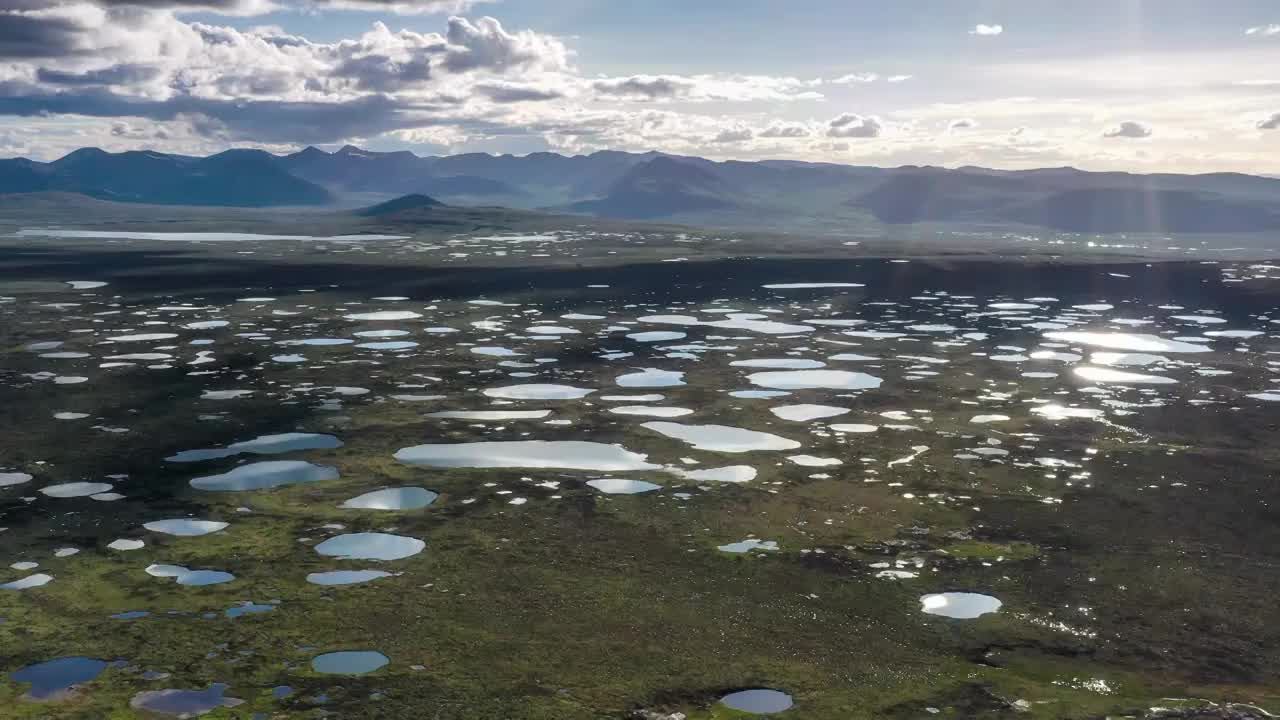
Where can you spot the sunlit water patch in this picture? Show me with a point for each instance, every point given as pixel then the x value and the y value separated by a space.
pixel 9 479
pixel 618 486
pixel 804 413
pixel 651 411
pixel 811 285
pixel 370 546
pixel 184 703
pixel 263 445
pixel 28 582
pixel 814 379
pixel 538 392
pixel 748 545
pixel 75 489
pixel 53 679
pixel 722 438
pixel 728 474
pixel 563 454
pixel 266 475
pixel 186 576
pixel 1127 341
pixel 780 363
pixel 349 662
pixel 346 577
pixel 399 498
pixel 959 605
pixel 1107 375
pixel 651 377
pixel 758 701
pixel 384 316
pixel 490 415
pixel 184 527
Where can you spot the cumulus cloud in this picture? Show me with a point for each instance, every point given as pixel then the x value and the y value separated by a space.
pixel 257 120
pixel 146 73
pixel 484 44
pixel 981 29
pixel 514 93
pixel 1128 129
pixel 124 74
pixel 83 59
pixel 781 130
pixel 383 61
pixel 733 135
pixel 850 125
pixel 646 87
pixel 1263 30
pixel 222 7
pixel 475 81
pixel 259 7
pixel 32 33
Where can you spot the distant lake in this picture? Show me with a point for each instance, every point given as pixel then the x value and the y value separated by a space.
pixel 192 237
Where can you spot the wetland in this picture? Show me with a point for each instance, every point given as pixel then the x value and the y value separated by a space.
pixel 565 472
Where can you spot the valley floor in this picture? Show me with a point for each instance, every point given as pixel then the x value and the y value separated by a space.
pixel 827 443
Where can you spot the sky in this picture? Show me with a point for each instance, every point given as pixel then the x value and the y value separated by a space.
pixel 1136 85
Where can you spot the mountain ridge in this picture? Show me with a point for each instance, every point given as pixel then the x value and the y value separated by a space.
pixel 782 194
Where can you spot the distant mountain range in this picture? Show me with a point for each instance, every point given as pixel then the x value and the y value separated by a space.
pixel 240 178
pixel 654 186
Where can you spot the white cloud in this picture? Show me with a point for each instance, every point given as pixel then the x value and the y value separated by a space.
pixel 400 7
pixel 733 135
pixel 484 44
pixel 850 125
pixel 644 87
pixel 98 72
pixel 705 88
pixel 785 130
pixel 260 7
pixel 853 78
pixel 1263 30
pixel 981 29
pixel 507 92
pixel 1128 129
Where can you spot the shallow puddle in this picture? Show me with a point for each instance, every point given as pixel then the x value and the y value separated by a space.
pixel 184 703
pixel 538 392
pixel 370 546
pixel 743 546
pixel 758 701
pixel 266 475
pixel 400 498
pixel 617 486
pixel 651 378
pixel 959 605
pixel 346 577
pixel 565 454
pixel 349 662
pixel 814 379
pixel 262 445
pixel 722 438
pixel 184 527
